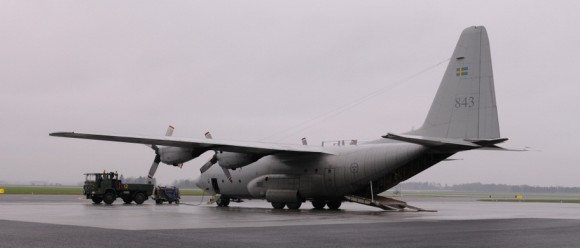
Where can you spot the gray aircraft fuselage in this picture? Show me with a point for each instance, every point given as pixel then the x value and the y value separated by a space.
pixel 350 170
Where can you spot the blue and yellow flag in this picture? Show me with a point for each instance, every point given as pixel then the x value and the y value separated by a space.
pixel 462 71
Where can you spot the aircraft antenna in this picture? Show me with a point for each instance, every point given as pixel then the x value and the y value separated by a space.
pixel 310 122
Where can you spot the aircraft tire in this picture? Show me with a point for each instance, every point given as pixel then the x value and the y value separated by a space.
pixel 294 205
pixel 223 202
pixel 278 205
pixel 140 198
pixel 97 200
pixel 318 204
pixel 334 205
pixel 109 198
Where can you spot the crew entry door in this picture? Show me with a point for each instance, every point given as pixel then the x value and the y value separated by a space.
pixel 214 185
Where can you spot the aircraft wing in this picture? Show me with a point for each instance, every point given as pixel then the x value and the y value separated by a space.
pixel 201 144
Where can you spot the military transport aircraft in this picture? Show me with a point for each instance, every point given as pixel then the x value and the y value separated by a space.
pixel 463 117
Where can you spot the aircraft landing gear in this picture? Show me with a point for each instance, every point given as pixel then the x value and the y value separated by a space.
pixel 294 205
pixel 290 205
pixel 334 205
pixel 318 204
pixel 223 202
pixel 278 205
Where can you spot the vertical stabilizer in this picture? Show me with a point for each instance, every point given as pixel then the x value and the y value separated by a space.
pixel 465 107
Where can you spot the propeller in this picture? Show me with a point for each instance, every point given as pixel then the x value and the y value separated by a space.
pixel 214 160
pixel 155 163
pixel 157 158
pixel 209 163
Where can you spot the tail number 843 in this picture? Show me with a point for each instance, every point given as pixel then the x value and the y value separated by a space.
pixel 464 102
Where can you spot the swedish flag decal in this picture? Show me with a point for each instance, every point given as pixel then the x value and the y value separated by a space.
pixel 462 71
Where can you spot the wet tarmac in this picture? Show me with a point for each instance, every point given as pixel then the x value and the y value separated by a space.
pixel 71 221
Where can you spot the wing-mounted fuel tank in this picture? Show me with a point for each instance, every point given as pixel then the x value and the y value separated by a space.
pixel 234 160
pixel 177 155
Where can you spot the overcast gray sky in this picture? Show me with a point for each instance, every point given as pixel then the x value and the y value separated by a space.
pixel 249 70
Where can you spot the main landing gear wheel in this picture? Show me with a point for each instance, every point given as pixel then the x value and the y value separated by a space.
pixel 109 198
pixel 278 205
pixel 334 205
pixel 223 202
pixel 294 205
pixel 318 204
pixel 140 198
pixel 97 200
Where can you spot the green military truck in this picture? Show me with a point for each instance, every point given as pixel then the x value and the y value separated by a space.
pixel 106 187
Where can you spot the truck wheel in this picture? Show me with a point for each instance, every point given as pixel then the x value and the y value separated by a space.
pixel 140 198
pixel 127 199
pixel 159 201
pixel 97 200
pixel 177 202
pixel 109 198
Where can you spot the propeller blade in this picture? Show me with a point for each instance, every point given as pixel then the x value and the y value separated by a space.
pixel 169 131
pixel 154 166
pixel 208 164
pixel 227 173
pixel 208 135
pixel 214 160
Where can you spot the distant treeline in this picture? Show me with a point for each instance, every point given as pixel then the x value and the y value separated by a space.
pixel 139 180
pixel 184 183
pixel 485 188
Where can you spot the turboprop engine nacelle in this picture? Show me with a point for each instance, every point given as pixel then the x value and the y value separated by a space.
pixel 234 160
pixel 177 155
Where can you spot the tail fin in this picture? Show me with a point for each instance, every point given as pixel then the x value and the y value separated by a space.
pixel 465 107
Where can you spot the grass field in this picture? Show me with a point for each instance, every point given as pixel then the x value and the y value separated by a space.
pixel 43 190
pixel 532 200
pixel 494 197
pixel 66 190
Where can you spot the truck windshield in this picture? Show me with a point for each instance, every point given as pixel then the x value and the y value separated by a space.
pixel 91 177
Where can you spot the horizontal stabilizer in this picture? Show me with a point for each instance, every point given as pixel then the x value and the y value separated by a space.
pixel 454 145
pixel 489 142
pixel 503 149
pixel 446 144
